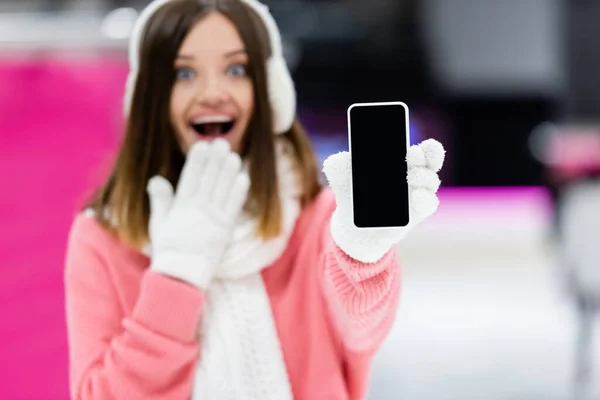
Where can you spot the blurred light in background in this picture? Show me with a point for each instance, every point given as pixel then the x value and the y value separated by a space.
pixel 119 23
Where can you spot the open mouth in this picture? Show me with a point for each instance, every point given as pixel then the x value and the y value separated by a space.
pixel 213 126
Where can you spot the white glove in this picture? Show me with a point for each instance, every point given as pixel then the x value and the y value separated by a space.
pixel 368 245
pixel 190 230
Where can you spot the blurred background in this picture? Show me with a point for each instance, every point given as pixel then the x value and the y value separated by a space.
pixel 499 294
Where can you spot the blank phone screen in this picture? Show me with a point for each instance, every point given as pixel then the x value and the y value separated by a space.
pixel 378 145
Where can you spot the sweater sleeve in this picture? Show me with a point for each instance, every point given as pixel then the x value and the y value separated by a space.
pixel 362 297
pixel 149 354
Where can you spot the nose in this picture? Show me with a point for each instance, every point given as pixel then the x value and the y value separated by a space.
pixel 211 92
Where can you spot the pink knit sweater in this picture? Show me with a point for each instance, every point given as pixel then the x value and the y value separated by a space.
pixel 132 331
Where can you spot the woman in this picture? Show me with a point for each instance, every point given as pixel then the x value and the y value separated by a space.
pixel 212 264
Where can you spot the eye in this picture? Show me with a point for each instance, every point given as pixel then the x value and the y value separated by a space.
pixel 184 73
pixel 237 69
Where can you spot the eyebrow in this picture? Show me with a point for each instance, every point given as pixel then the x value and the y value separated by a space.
pixel 227 55
pixel 235 52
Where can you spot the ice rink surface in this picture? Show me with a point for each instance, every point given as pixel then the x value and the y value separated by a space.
pixel 482 314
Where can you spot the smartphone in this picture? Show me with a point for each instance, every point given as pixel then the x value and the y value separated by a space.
pixel 378 137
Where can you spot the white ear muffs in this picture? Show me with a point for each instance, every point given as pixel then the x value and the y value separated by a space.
pixel 282 94
pixel 135 39
pixel 281 91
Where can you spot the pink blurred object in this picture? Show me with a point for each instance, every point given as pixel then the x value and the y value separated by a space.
pixel 60 118
pixel 574 152
pixel 492 206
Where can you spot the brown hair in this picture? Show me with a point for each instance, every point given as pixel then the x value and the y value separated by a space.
pixel 150 146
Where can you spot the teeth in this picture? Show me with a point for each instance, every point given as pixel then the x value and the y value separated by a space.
pixel 212 119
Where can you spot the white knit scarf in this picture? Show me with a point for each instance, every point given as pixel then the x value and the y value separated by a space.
pixel 240 354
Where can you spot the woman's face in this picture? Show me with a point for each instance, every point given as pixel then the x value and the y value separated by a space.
pixel 212 95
